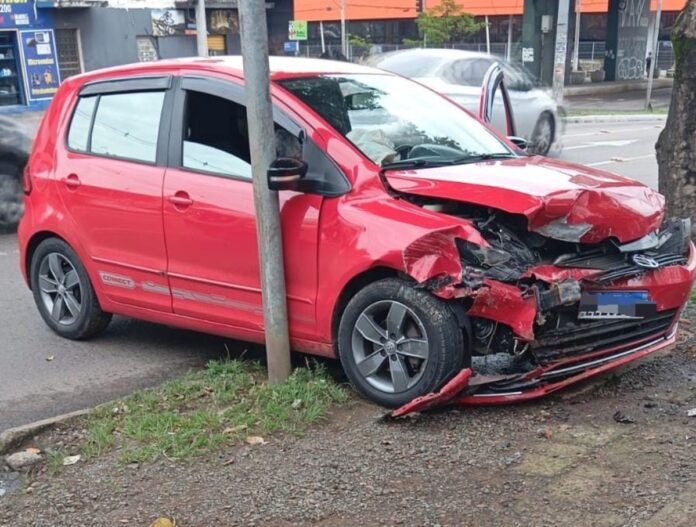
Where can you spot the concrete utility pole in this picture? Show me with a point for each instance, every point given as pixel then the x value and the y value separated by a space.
pixel 561 51
pixel 254 33
pixel 344 37
pixel 508 54
pixel 201 29
pixel 488 36
pixel 576 42
pixel 656 33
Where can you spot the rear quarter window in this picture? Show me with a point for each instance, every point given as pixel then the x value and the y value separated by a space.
pixel 122 125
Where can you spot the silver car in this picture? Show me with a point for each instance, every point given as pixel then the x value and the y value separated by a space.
pixel 459 75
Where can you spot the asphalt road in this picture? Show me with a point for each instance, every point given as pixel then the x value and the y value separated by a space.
pixel 133 354
pixel 626 148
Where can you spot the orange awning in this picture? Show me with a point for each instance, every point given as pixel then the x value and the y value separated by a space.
pixel 315 10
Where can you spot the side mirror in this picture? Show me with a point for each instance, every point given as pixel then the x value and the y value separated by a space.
pixel 519 142
pixel 286 173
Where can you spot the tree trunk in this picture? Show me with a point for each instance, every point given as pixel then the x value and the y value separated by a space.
pixel 676 146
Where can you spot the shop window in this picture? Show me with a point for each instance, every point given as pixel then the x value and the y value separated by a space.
pixel 126 125
pixel 217 45
pixel 68 48
pixel 10 80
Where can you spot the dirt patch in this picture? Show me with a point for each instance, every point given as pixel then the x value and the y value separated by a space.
pixel 555 462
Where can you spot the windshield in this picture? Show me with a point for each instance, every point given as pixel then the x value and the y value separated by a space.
pixel 394 121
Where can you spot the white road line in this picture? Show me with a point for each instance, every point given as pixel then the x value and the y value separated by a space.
pixel 621 160
pixel 597 144
pixel 609 131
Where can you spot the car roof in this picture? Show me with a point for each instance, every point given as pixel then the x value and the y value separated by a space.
pixel 279 66
pixel 434 53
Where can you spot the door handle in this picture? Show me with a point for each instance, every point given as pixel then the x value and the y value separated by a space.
pixel 72 182
pixel 181 200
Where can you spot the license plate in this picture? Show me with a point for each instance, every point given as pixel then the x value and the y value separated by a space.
pixel 599 305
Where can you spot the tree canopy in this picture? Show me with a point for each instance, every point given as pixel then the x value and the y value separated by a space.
pixel 446 23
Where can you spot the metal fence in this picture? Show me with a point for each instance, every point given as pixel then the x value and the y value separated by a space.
pixel 591 54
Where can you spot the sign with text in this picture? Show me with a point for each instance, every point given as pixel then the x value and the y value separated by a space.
pixel 20 13
pixel 40 63
pixel 297 30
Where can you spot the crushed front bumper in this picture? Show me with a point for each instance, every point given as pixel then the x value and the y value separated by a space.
pixel 669 287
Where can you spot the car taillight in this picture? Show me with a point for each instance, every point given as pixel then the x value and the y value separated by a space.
pixel 26 180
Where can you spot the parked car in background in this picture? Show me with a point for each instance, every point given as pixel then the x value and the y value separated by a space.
pixel 459 75
pixel 15 145
pixel 418 243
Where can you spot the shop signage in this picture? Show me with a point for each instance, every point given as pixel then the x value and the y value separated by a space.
pixel 19 13
pixel 297 30
pixel 41 63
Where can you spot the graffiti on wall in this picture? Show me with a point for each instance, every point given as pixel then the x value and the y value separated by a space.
pixel 632 39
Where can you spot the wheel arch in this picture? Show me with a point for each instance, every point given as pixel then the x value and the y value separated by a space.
pixel 351 287
pixel 32 244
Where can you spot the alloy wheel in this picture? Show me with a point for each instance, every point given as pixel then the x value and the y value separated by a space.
pixel 390 346
pixel 60 288
pixel 542 137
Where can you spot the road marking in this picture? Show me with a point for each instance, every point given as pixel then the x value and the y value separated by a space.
pixel 594 144
pixel 619 160
pixel 605 131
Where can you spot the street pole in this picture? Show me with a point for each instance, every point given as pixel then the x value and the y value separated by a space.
pixel 201 29
pixel 656 36
pixel 576 43
pixel 344 38
pixel 561 51
pixel 488 37
pixel 321 34
pixel 509 42
pixel 254 33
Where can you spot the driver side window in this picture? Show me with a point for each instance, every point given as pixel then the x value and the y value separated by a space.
pixel 216 137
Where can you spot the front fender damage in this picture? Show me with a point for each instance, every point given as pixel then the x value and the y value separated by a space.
pixel 521 296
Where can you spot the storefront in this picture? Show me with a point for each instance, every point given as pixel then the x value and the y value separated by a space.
pixel 28 62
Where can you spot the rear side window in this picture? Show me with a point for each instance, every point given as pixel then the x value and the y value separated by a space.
pixel 78 137
pixel 125 125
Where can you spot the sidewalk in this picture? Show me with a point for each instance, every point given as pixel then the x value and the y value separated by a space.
pixel 603 98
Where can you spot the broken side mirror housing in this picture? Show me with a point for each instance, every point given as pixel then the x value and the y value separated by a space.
pixel 286 173
pixel 519 142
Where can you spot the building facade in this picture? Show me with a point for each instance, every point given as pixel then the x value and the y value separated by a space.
pixel 28 60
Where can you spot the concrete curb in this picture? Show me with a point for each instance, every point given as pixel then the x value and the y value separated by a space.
pixel 629 118
pixel 13 436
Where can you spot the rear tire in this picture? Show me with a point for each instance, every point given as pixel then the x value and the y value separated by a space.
pixel 397 342
pixel 63 292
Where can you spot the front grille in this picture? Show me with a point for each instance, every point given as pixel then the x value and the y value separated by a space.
pixel 582 338
pixel 630 269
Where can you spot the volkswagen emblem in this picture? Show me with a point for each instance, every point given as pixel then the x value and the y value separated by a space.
pixel 645 261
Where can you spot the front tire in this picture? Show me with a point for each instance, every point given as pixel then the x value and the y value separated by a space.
pixel 397 342
pixel 543 135
pixel 63 292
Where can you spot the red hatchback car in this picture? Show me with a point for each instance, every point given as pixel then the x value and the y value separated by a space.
pixel 420 246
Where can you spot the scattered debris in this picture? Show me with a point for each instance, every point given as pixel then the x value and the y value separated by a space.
pixel 163 522
pixel 256 440
pixel 691 413
pixel 71 460
pixel 545 433
pixel 234 429
pixel 513 459
pixel 621 417
pixel 228 462
pixel 25 458
pixel 296 404
pixel 50 358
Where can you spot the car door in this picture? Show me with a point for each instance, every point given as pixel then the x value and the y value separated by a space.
pixel 209 218
pixel 110 182
pixel 524 100
pixel 495 100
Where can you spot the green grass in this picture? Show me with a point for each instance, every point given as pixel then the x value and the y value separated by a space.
pixel 221 405
pixel 55 462
pixel 693 295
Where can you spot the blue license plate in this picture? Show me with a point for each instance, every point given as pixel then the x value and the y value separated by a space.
pixel 598 305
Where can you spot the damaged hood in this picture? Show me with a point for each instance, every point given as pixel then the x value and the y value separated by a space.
pixel 560 200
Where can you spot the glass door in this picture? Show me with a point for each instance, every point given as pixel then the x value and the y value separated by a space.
pixel 10 80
